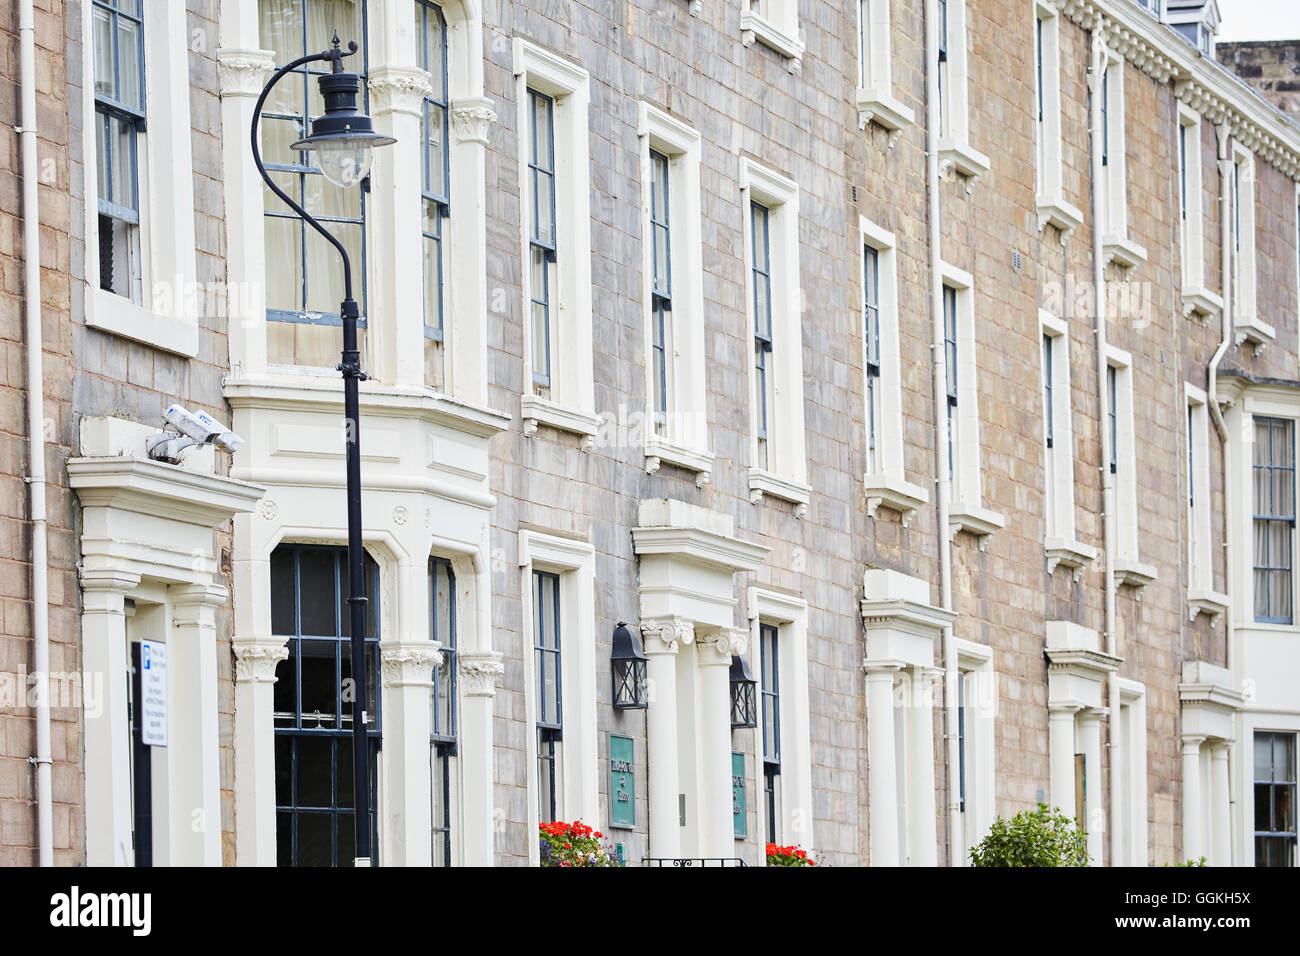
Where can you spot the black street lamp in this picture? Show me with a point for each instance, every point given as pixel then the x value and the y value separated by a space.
pixel 627 666
pixel 342 140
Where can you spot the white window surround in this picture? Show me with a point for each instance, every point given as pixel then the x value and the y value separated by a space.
pixel 885 481
pixel 1129 568
pixel 979 693
pixel 1131 815
pixel 775 24
pixel 789 614
pixel 571 407
pixel 1197 299
pixel 876 102
pixel 575 562
pixel 788 480
pixel 955 150
pixel 685 440
pixel 168 318
pixel 1053 210
pixel 967 512
pixel 1062 545
pixel 1201 596
pixel 1246 323
pixel 1116 245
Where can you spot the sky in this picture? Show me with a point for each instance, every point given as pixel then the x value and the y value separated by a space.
pixel 1259 20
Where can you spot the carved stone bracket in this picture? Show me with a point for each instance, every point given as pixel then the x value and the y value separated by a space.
pixel 255 661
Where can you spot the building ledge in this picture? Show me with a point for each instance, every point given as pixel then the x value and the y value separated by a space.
pixel 1253 330
pixel 754 27
pixel 894 493
pixel 962 158
pixel 1055 211
pixel 1069 553
pixel 158 489
pixel 1210 603
pixel 538 411
pixel 974 520
pixel 659 450
pixel 765 483
pixel 1135 574
pixel 1123 251
pixel 877 106
pixel 1201 303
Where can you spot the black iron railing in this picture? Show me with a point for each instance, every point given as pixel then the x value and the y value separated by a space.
pixel 693 861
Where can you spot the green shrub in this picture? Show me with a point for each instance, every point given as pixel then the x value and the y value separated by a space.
pixel 1200 862
pixel 1040 837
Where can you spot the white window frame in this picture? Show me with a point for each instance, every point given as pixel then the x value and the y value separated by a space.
pixel 1116 244
pixel 571 405
pixel 167 317
pixel 1197 299
pixel 575 562
pixel 1201 596
pixel 1245 268
pixel 1129 568
pixel 786 476
pixel 1053 210
pixel 774 24
pixel 955 150
pixel 1131 814
pixel 684 440
pixel 967 511
pixel 885 479
pixel 1061 543
pixel 979 684
pixel 789 614
pixel 876 102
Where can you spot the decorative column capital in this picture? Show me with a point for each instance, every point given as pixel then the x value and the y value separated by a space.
pixel 409 663
pixel 718 647
pixel 471 117
pixel 255 661
pixel 881 669
pixel 398 89
pixel 1192 743
pixel 478 672
pixel 198 595
pixel 118 580
pixel 243 72
pixel 663 635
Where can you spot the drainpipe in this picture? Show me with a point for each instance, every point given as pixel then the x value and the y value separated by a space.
pixel 943 480
pixel 1095 73
pixel 36 432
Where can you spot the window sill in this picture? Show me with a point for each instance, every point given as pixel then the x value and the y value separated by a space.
pixel 753 27
pixel 963 159
pixel 896 494
pixel 1251 329
pixel 659 449
pixel 765 483
pixel 1069 553
pixel 120 316
pixel 877 106
pixel 1055 211
pixel 1134 574
pixel 1202 302
pixel 1123 251
pixel 538 411
pixel 1210 603
pixel 974 520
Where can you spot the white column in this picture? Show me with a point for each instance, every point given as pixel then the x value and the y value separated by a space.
pixel 255 664
pixel 661 639
pixel 479 671
pixel 193 737
pixel 407 671
pixel 107 734
pixel 1193 813
pixel 1094 818
pixel 472 117
pixel 713 654
pixel 882 779
pixel 1220 820
pixel 1060 746
pixel 922 840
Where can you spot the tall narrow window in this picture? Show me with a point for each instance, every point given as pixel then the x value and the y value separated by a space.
pixel 944 107
pixel 950 363
pixel 1049 410
pixel 542 246
pixel 762 279
pixel 442 628
pixel 1275 795
pixel 662 286
pixel 1105 116
pixel 961 743
pixel 771 693
pixel 1112 415
pixel 1182 171
pixel 436 192
pixel 1274 471
pixel 864 43
pixel 312 704
pixel 550 725
pixel 871 324
pixel 118 32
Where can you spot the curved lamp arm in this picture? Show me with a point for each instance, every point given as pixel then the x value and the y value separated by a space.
pixel 336 57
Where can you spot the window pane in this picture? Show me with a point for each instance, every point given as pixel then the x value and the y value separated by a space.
pixel 1284 758
pixel 129 67
pixel 102 28
pixel 435 144
pixel 318 596
pixel 544 223
pixel 314 771
pixel 320 684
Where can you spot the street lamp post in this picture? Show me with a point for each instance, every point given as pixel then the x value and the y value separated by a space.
pixel 342 139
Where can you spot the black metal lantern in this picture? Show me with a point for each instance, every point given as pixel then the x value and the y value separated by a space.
pixel 744 712
pixel 628 670
pixel 344 136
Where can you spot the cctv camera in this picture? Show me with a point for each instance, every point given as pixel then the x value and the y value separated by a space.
pixel 183 429
pixel 219 434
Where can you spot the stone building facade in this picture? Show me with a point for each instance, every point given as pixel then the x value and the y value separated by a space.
pixel 926 358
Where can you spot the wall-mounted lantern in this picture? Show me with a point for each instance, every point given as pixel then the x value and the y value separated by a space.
pixel 628 670
pixel 744 713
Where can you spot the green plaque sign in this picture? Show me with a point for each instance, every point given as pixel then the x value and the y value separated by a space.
pixel 622 782
pixel 738 793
